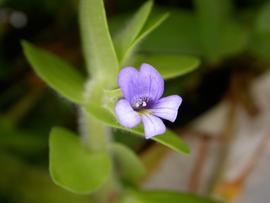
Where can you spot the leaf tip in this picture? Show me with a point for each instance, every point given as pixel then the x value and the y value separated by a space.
pixel 166 15
pixel 186 150
pixel 25 44
pixel 55 132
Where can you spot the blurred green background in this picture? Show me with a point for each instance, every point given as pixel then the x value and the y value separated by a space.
pixel 232 38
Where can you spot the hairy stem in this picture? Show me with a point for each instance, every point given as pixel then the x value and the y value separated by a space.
pixel 98 137
pixel 95 134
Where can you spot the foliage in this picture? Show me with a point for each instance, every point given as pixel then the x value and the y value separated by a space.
pixel 71 165
pixel 212 31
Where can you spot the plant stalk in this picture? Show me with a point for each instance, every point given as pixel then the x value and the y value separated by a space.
pixel 97 138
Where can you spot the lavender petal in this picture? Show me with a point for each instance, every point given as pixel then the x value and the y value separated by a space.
pixel 126 115
pixel 151 82
pixel 127 80
pixel 152 126
pixel 167 107
pixel 145 83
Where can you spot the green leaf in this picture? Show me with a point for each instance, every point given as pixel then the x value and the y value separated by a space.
pixel 231 33
pixel 23 142
pixel 126 36
pixel 18 140
pixel 58 74
pixel 218 31
pixel 128 164
pixel 262 21
pixel 72 166
pixel 168 139
pixel 188 36
pixel 32 183
pixel 161 197
pixel 260 39
pixel 99 53
pixel 179 35
pixel 170 66
pixel 260 45
pixel 171 140
pixel 211 15
pixel 151 24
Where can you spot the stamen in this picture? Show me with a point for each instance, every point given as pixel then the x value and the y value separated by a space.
pixel 140 103
pixel 144 104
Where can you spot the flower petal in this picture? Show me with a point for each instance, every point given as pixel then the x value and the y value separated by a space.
pixel 126 115
pixel 167 107
pixel 152 126
pixel 151 81
pixel 127 78
pixel 145 83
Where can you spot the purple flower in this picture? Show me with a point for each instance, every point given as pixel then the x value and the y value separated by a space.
pixel 142 100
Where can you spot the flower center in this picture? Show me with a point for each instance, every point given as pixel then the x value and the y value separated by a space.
pixel 140 103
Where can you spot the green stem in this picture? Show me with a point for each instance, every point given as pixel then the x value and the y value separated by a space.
pixel 95 134
pixel 98 137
